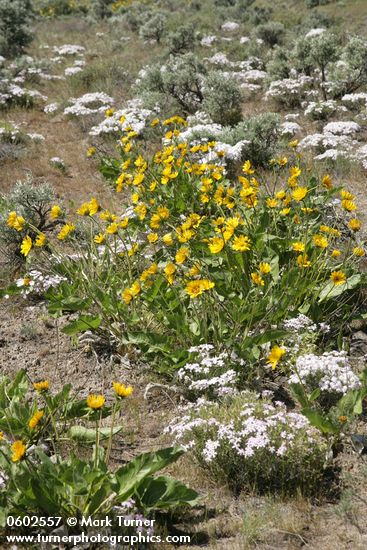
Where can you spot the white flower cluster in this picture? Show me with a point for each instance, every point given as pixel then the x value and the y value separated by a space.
pixel 356 100
pixel 38 283
pixel 208 41
pixel 69 49
pixel 289 128
pixel 259 427
pixel 70 71
pixel 321 109
pixel 210 373
pixel 346 128
pixel 289 89
pixel 51 108
pixel 315 32
pixel 89 104
pixel 133 116
pixel 230 26
pixel 331 372
pixel 304 323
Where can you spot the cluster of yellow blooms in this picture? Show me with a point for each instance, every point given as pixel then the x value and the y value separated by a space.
pixel 97 401
pixel 186 210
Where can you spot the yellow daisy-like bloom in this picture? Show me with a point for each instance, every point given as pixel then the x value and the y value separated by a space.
pixel 293 143
pixel 95 401
pixel 338 277
pixel 257 279
pixel 127 296
pixel 41 386
pixel 169 272
pixel 271 203
pixel 354 224
pixel 246 169
pixel 91 152
pixel 336 253
pixel 282 161
pixel 346 195
pixel 154 122
pixel 124 223
pixel 349 205
pixel 326 182
pixel 109 112
pixel 18 449
pixel 55 212
pixel 285 211
pixel 182 254
pixel 89 208
pixel 216 244
pixel 298 246
pixel 167 239
pixel 135 288
pixel 35 419
pixel 303 261
pixel 320 241
pixel 65 231
pixel 163 212
pixel 275 356
pixel 133 250
pixel 264 268
pixel 15 222
pixel 241 243
pixel 280 195
pixel 1 435
pixel 26 245
pixel 40 240
pixel 112 228
pixel 196 288
pixel 100 238
pixel 152 237
pixel 358 251
pixel 295 171
pixel 299 193
pixel 194 271
pixel 121 390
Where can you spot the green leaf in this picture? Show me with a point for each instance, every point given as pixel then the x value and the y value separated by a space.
pixel 128 477
pixel 85 322
pixel 300 394
pixel 164 492
pixel 88 435
pixel 320 422
pixel 314 395
pixel 332 291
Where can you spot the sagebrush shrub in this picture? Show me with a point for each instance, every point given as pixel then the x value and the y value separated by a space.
pixel 154 28
pixel 272 33
pixel 15 31
pixel 222 99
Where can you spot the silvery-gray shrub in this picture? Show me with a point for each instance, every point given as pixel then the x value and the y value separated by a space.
pixel 222 99
pixel 15 31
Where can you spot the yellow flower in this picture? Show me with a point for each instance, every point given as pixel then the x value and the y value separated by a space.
pixel 41 386
pixel 216 244
pixel 275 356
pixel 280 195
pixel 338 277
pixel 295 171
pixel 109 112
pixel 299 193
pixel 167 239
pixel 293 143
pixel 169 272
pixel 257 279
pixel 95 401
pixel 15 222
pixel 127 296
pixel 121 390
pixel 152 237
pixel 154 122
pixel 163 212
pixel 91 151
pixel 298 246
pixel 40 240
pixel 326 182
pixel 354 224
pixel 303 261
pixel 18 449
pixel 264 268
pixel 124 223
pixel 26 245
pixel 194 271
pixel 346 195
pixel 1 435
pixel 246 169
pixel 65 231
pixel 358 251
pixel 285 211
pixel 271 203
pixel 241 243
pixel 35 419
pixel 112 228
pixel 133 250
pixel 336 253
pixel 282 161
pixel 99 239
pixel 196 288
pixel 320 241
pixel 348 205
pixel 55 212
pixel 182 254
